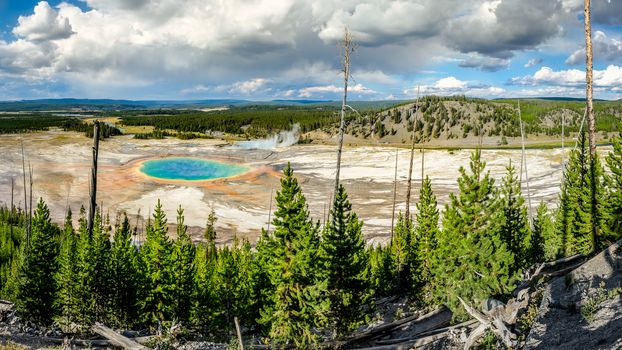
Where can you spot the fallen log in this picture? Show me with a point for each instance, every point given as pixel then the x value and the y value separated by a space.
pixel 430 321
pixel 117 339
pixel 423 339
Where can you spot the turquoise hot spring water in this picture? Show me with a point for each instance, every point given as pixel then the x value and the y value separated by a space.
pixel 190 169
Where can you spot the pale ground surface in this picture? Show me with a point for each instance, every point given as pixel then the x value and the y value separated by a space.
pixel 61 163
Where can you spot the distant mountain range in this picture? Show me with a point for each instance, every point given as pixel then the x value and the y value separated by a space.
pixel 83 105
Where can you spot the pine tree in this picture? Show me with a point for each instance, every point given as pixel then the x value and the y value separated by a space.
pixel 514 225
pixel 298 306
pixel 382 271
pixel 345 258
pixel 471 261
pixel 37 286
pixel 575 219
pixel 184 270
pixel 260 280
pixel 126 277
pixel 67 300
pixel 426 236
pixel 614 188
pixel 156 255
pixel 404 254
pixel 540 236
pixel 102 275
pixel 204 307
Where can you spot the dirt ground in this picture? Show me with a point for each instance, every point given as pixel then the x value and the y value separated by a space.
pixel 61 167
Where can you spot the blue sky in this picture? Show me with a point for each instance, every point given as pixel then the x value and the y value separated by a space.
pixel 288 49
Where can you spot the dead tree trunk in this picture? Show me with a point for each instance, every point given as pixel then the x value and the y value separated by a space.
pixel 93 190
pixel 347 50
pixel 394 195
pixel 590 119
pixel 410 169
pixel 30 205
pixel 11 208
pixel 25 195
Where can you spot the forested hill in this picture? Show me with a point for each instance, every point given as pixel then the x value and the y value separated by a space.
pixel 438 121
pixel 443 119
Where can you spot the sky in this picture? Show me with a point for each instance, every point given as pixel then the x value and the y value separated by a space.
pixel 289 49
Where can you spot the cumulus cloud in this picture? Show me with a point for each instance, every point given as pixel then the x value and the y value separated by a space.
pixel 497 28
pixel 488 64
pixel 609 77
pixel 44 24
pixel 332 90
pixel 533 62
pixel 605 48
pixel 453 86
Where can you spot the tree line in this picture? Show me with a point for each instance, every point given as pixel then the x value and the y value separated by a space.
pixel 303 282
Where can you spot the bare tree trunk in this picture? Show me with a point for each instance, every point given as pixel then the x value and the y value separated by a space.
pixel 394 195
pixel 347 50
pixel 590 118
pixel 93 190
pixel 410 169
pixel 11 208
pixel 523 162
pixel 25 195
pixel 30 206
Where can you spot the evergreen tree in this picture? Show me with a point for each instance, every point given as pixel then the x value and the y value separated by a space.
pixel 183 263
pixel 67 300
pixel 343 252
pixel 260 279
pixel 404 253
pixel 382 271
pixel 126 277
pixel 205 303
pixel 426 236
pixel 614 192
pixel 575 219
pixel 156 255
pixel 297 307
pixel 101 267
pixel 514 224
pixel 540 236
pixel 37 286
pixel 471 261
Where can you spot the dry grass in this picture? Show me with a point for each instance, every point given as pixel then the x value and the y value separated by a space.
pixel 9 345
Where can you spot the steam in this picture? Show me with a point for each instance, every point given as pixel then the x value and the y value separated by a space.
pixel 284 138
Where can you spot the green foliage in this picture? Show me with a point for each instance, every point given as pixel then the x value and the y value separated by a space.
pixel 514 230
pixel 182 263
pixel 382 271
pixel 345 266
pixel 37 285
pixel 426 236
pixel 471 261
pixel 127 279
pixel 404 253
pixel 66 301
pixel 575 220
pixel 544 244
pixel 614 188
pixel 156 255
pixel 297 305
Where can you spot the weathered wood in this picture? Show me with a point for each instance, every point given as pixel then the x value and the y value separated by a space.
pixel 410 168
pixel 348 48
pixel 495 324
pixel 93 188
pixel 239 333
pixel 117 339
pixel 394 195
pixel 424 338
pixel 430 321
pixel 25 195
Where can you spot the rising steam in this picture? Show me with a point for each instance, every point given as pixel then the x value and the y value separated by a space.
pixel 284 138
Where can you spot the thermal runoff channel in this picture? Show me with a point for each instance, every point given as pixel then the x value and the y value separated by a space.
pixel 190 169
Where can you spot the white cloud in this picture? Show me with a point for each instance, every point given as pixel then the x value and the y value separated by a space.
pixel 533 62
pixel 454 86
pixel 44 24
pixel 331 90
pixel 249 86
pixel 604 48
pixel 610 77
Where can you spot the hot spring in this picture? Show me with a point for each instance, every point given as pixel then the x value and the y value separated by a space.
pixel 190 169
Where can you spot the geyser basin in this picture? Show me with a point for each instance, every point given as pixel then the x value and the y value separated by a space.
pixel 189 169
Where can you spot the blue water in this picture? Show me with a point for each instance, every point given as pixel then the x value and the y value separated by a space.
pixel 180 168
